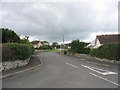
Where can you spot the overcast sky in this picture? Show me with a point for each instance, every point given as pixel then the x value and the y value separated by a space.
pixel 81 20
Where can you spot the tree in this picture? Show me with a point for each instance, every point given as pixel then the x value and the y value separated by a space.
pixel 9 36
pixel 25 40
pixel 55 45
pixel 77 46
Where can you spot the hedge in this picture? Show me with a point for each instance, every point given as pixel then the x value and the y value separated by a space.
pixel 22 51
pixel 46 47
pixel 109 51
pixel 85 51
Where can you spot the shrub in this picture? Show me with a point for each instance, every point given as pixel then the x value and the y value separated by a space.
pixel 25 41
pixel 108 51
pixel 70 51
pixel 64 52
pixel 85 51
pixel 94 52
pixel 78 47
pixel 22 51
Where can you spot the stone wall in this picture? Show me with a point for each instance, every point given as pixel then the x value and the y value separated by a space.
pixel 6 65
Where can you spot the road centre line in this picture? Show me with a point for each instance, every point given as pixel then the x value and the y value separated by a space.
pixel 103 72
pixel 105 79
pixel 71 65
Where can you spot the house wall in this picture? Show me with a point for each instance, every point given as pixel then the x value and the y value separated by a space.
pixel 37 45
pixel 97 44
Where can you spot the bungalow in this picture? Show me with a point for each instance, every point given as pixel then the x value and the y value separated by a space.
pixel 44 43
pixel 36 44
pixel 103 39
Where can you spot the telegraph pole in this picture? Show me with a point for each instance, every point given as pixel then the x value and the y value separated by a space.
pixel 61 43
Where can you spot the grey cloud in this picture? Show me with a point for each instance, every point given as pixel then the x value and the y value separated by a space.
pixel 48 21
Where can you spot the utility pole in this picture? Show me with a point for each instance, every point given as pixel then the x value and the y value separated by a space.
pixel 61 43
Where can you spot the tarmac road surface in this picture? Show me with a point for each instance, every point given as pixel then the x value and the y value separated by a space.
pixel 60 71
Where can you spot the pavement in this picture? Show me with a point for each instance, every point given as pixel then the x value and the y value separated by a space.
pixel 33 63
pixel 61 71
pixel 94 61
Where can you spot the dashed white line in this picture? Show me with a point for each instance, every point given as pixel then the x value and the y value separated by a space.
pixel 71 65
pixel 104 79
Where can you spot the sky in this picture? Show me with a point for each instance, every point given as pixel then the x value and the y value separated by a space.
pixel 49 20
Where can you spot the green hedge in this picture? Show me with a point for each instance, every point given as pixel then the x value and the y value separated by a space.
pixel 85 51
pixel 46 47
pixel 70 51
pixel 22 51
pixel 109 51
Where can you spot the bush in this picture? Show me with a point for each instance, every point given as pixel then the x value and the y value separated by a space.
pixel 25 41
pixel 108 51
pixel 64 52
pixel 78 47
pixel 22 51
pixel 70 51
pixel 85 51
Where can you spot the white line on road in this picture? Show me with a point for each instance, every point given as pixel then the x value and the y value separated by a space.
pixel 105 72
pixel 83 59
pixel 71 65
pixel 98 70
pixel 104 79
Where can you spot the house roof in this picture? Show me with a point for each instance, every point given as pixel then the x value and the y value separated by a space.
pixel 108 38
pixel 35 42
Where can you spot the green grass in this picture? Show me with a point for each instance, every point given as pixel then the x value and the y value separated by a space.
pixel 54 50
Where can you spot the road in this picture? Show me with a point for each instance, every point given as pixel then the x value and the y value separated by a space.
pixel 60 71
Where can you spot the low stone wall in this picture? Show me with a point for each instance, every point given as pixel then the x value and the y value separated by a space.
pixel 89 57
pixel 6 65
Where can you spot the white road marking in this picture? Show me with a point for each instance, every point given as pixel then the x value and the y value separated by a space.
pixel 71 65
pixel 106 72
pixel 83 59
pixel 100 71
pixel 104 79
